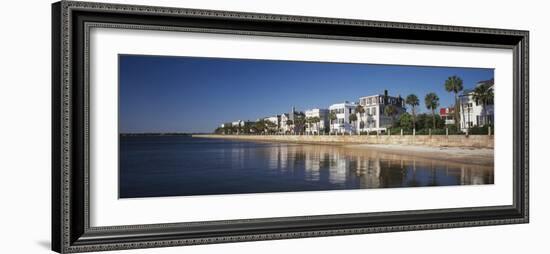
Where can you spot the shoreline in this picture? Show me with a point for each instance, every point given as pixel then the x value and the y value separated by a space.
pixel 473 155
pixel 465 155
pixel 437 141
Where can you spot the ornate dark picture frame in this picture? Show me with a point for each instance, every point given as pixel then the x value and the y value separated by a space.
pixel 71 22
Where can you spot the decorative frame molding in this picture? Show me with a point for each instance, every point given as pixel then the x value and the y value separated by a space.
pixel 71 22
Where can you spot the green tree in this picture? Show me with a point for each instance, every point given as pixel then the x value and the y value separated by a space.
pixel 260 126
pixel 312 122
pixel 299 123
pixel 248 127
pixel 316 121
pixel 360 111
pixel 390 111
pixel 454 84
pixel 332 116
pixel 353 119
pixel 432 102
pixel 423 121
pixel 484 95
pixel 406 121
pixel 412 100
pixel 271 127
pixel 289 124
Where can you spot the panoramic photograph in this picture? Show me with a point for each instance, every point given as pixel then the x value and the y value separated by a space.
pixel 208 126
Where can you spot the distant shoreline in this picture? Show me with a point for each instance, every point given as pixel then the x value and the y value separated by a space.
pixel 158 134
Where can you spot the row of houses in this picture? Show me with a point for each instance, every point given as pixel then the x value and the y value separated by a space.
pixel 370 118
pixel 369 115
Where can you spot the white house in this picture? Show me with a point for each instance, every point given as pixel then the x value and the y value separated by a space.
pixel 374 117
pixel 320 127
pixel 342 123
pixel 275 120
pixel 472 112
pixel 283 127
pixel 238 123
pixel 287 124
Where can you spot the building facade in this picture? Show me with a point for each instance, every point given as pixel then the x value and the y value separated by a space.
pixel 374 117
pixel 474 113
pixel 288 123
pixel 342 123
pixel 320 127
pixel 448 115
pixel 273 123
pixel 238 123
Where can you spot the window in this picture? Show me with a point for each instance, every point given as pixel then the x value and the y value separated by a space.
pixel 350 110
pixel 373 111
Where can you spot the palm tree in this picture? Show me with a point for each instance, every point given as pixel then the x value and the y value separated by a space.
pixel 353 118
pixel 332 116
pixel 308 123
pixel 315 120
pixel 289 124
pixel 360 110
pixel 412 100
pixel 432 102
pixel 390 111
pixel 312 121
pixel 299 123
pixel 454 84
pixel 483 94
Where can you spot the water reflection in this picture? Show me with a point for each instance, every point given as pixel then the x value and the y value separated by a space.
pixel 372 168
pixel 179 166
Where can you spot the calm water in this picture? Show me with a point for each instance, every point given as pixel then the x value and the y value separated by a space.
pixel 154 166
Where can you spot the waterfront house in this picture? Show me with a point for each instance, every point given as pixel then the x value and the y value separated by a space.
pixel 320 126
pixel 374 117
pixel 474 113
pixel 273 123
pixel 342 123
pixel 238 123
pixel 447 114
pixel 288 124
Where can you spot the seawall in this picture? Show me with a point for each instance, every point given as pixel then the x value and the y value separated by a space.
pixel 472 141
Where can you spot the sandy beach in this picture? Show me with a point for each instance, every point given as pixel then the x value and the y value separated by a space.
pixel 477 156
pixel 432 148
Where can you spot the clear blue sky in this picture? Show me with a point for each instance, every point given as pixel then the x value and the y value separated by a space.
pixel 188 94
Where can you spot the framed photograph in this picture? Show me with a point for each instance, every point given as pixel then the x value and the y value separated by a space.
pixel 181 126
